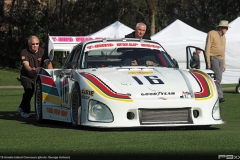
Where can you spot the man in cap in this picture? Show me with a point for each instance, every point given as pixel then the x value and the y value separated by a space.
pixel 215 52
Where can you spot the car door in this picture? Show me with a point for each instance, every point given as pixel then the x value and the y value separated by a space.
pixel 66 80
pixel 192 64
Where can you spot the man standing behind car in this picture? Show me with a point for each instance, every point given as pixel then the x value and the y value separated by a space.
pixel 215 52
pixel 139 32
pixel 32 58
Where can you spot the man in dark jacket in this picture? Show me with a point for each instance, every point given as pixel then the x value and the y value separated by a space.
pixel 32 58
pixel 139 32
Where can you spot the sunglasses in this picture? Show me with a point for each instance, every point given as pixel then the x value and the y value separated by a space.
pixel 225 28
pixel 35 44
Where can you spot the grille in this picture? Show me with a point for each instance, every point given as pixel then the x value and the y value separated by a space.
pixel 165 116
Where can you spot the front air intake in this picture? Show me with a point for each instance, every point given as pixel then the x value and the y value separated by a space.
pixel 165 116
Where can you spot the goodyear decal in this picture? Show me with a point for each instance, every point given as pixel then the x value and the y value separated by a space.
pixel 205 84
pixel 104 90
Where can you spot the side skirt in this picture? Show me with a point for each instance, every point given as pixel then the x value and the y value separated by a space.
pixel 56 113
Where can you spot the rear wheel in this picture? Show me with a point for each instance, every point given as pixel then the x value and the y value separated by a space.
pixel 238 88
pixel 38 102
pixel 75 104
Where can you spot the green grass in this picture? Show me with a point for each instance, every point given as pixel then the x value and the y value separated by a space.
pixel 8 77
pixel 21 136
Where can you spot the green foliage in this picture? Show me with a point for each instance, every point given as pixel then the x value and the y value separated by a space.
pixel 83 17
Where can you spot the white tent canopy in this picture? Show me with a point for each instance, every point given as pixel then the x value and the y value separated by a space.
pixel 115 30
pixel 232 73
pixel 176 37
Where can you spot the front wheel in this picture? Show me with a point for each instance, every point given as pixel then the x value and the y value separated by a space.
pixel 238 88
pixel 75 104
pixel 38 101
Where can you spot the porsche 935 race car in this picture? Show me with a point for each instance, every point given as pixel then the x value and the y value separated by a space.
pixel 125 83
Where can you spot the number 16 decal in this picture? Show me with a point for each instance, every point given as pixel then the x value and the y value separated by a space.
pixel 151 79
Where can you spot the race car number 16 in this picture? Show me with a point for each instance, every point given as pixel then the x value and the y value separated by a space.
pixel 151 79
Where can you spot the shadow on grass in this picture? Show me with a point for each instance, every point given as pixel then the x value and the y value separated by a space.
pixel 14 116
pixel 230 91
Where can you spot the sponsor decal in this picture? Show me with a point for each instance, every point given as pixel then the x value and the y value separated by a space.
pixel 127 44
pixel 87 92
pixel 157 93
pixel 185 94
pixel 99 45
pixel 85 97
pixel 140 72
pixel 150 45
pixel 56 111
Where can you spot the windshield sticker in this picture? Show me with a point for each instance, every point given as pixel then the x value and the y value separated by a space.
pixel 150 45
pixel 127 44
pixel 100 45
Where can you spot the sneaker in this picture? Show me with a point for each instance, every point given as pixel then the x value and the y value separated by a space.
pixel 25 115
pixel 19 110
pixel 221 100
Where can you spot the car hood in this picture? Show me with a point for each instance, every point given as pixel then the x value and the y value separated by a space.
pixel 151 83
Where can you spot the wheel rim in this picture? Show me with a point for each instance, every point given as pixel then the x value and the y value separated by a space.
pixel 75 105
pixel 38 102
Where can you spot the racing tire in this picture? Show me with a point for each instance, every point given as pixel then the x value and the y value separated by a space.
pixel 75 104
pixel 38 102
pixel 238 89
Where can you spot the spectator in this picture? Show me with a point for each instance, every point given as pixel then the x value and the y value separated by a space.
pixel 215 53
pixel 196 57
pixel 139 32
pixel 32 58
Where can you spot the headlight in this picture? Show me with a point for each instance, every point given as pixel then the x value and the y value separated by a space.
pixel 216 113
pixel 98 111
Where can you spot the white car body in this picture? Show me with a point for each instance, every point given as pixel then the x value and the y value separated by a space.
pixel 113 96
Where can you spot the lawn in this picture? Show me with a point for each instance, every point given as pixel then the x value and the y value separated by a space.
pixel 23 137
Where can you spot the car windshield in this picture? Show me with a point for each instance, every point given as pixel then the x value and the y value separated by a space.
pixel 121 56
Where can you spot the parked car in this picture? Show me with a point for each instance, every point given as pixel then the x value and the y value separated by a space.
pixel 115 83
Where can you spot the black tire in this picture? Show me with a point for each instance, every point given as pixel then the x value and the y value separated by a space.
pixel 38 102
pixel 75 104
pixel 238 88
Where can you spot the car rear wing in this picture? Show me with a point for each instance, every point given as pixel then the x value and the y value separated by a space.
pixel 65 44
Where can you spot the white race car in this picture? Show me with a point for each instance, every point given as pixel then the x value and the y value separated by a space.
pixel 115 83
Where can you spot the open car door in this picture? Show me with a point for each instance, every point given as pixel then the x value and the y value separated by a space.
pixel 196 59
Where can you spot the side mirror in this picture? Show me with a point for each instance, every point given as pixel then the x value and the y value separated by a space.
pixel 72 65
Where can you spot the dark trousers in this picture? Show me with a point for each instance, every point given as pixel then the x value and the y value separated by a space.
pixel 28 86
